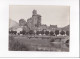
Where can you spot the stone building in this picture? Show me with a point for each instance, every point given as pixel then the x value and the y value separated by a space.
pixel 42 27
pixel 35 21
pixel 52 28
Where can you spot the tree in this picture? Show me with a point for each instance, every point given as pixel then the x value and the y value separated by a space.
pixel 22 22
pixel 62 32
pixel 51 33
pixel 9 32
pixel 15 32
pixel 12 32
pixel 23 32
pixel 38 32
pixel 42 32
pixel 26 28
pixel 67 33
pixel 46 32
pixel 56 32
pixel 31 32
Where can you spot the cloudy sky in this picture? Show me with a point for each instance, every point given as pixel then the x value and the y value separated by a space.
pixel 54 15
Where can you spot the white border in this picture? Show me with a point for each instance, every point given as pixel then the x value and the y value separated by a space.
pixel 74 28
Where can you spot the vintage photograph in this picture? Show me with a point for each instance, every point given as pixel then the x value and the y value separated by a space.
pixel 39 28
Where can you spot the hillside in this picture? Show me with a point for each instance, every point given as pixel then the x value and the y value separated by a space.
pixel 66 27
pixel 13 24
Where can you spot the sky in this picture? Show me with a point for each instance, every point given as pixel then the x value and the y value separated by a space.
pixel 50 14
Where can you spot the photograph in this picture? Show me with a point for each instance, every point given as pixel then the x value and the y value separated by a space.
pixel 39 28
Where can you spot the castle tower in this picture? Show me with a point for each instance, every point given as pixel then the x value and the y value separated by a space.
pixel 34 12
pixel 36 18
pixel 35 21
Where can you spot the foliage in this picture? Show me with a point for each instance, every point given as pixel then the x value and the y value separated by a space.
pixel 46 32
pixel 67 33
pixel 56 32
pixel 23 32
pixel 31 32
pixel 51 33
pixel 62 32
pixel 42 32
pixel 12 32
pixel 38 32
